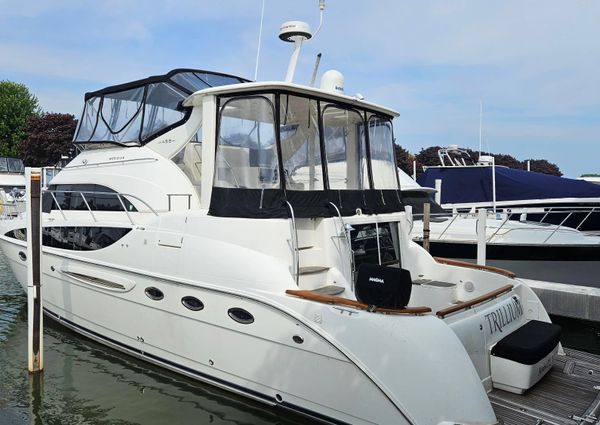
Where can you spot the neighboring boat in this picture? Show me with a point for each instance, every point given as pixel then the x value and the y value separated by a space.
pixel 536 196
pixel 12 187
pixel 532 250
pixel 592 178
pixel 187 233
pixel 11 174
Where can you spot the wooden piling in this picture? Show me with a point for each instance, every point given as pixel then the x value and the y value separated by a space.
pixel 34 288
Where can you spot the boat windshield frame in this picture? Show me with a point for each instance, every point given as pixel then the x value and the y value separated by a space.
pixel 96 130
pixel 268 201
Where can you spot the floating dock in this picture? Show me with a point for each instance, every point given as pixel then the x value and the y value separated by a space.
pixel 560 299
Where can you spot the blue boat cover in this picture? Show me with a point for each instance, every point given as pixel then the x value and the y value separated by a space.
pixel 474 184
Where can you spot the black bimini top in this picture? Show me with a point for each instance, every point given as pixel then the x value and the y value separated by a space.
pixel 134 113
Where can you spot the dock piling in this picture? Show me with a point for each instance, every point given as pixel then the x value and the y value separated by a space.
pixel 34 288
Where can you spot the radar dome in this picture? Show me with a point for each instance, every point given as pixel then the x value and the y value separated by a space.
pixel 333 81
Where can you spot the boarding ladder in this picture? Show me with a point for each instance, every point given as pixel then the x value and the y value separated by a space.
pixel 308 257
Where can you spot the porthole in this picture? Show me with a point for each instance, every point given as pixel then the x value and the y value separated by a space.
pixel 154 293
pixel 192 303
pixel 22 256
pixel 240 315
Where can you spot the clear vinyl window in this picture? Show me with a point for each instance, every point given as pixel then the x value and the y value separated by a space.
pixel 381 143
pixel 343 131
pixel 300 144
pixel 246 145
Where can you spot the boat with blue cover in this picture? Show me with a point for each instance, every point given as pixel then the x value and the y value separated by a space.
pixel 528 196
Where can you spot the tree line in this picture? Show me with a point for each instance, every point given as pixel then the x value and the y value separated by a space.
pixel 429 157
pixel 39 138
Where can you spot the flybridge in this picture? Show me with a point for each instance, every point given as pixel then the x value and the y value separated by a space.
pixel 134 113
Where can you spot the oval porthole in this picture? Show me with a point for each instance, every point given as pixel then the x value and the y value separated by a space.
pixel 192 303
pixel 154 293
pixel 22 256
pixel 240 315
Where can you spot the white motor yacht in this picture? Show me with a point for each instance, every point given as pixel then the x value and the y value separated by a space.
pixel 533 250
pixel 185 234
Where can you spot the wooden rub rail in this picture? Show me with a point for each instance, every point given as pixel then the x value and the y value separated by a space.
pixel 498 270
pixel 329 299
pixel 468 304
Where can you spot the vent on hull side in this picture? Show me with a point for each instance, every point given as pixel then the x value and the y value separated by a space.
pixel 104 282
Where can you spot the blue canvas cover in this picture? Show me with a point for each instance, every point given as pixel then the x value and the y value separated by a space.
pixel 474 184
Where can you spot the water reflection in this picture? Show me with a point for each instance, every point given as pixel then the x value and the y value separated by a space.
pixel 86 383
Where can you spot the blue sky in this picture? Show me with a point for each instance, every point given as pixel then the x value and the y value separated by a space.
pixel 535 64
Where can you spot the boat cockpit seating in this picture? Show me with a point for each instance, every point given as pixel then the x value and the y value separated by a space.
pixel 380 286
pixel 520 359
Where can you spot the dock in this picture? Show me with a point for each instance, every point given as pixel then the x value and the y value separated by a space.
pixel 568 395
pixel 574 301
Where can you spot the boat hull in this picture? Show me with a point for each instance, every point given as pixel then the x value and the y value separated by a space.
pixel 574 265
pixel 281 360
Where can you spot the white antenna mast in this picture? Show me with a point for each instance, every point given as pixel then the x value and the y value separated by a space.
pixel 297 32
pixel 262 16
pixel 480 123
pixel 321 8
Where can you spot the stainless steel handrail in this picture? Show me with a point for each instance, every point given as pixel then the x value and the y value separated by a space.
pixel 448 226
pixel 508 216
pixel 558 227
pixel 88 206
pixel 118 195
pixel 296 250
pixel 586 217
pixel 348 242
pixel 188 195
pixel 569 211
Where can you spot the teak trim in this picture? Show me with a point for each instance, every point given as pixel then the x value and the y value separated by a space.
pixel 498 270
pixel 329 299
pixel 468 304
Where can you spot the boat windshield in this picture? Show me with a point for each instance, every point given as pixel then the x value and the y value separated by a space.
pixel 134 113
pixel 290 145
pixel 11 165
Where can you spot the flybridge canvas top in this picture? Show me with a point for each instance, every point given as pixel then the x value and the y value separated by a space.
pixel 474 184
pixel 134 113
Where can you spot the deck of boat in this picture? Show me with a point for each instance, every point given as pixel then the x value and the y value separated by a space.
pixel 568 395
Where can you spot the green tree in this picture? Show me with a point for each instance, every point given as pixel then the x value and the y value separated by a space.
pixel 17 105
pixel 545 166
pixel 404 159
pixel 48 137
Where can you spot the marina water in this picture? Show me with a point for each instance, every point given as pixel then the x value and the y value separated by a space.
pixel 86 383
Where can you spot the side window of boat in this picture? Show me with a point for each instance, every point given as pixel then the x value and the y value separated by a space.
pixel 82 238
pixel 20 234
pixel 246 146
pixel 80 196
pixel 383 164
